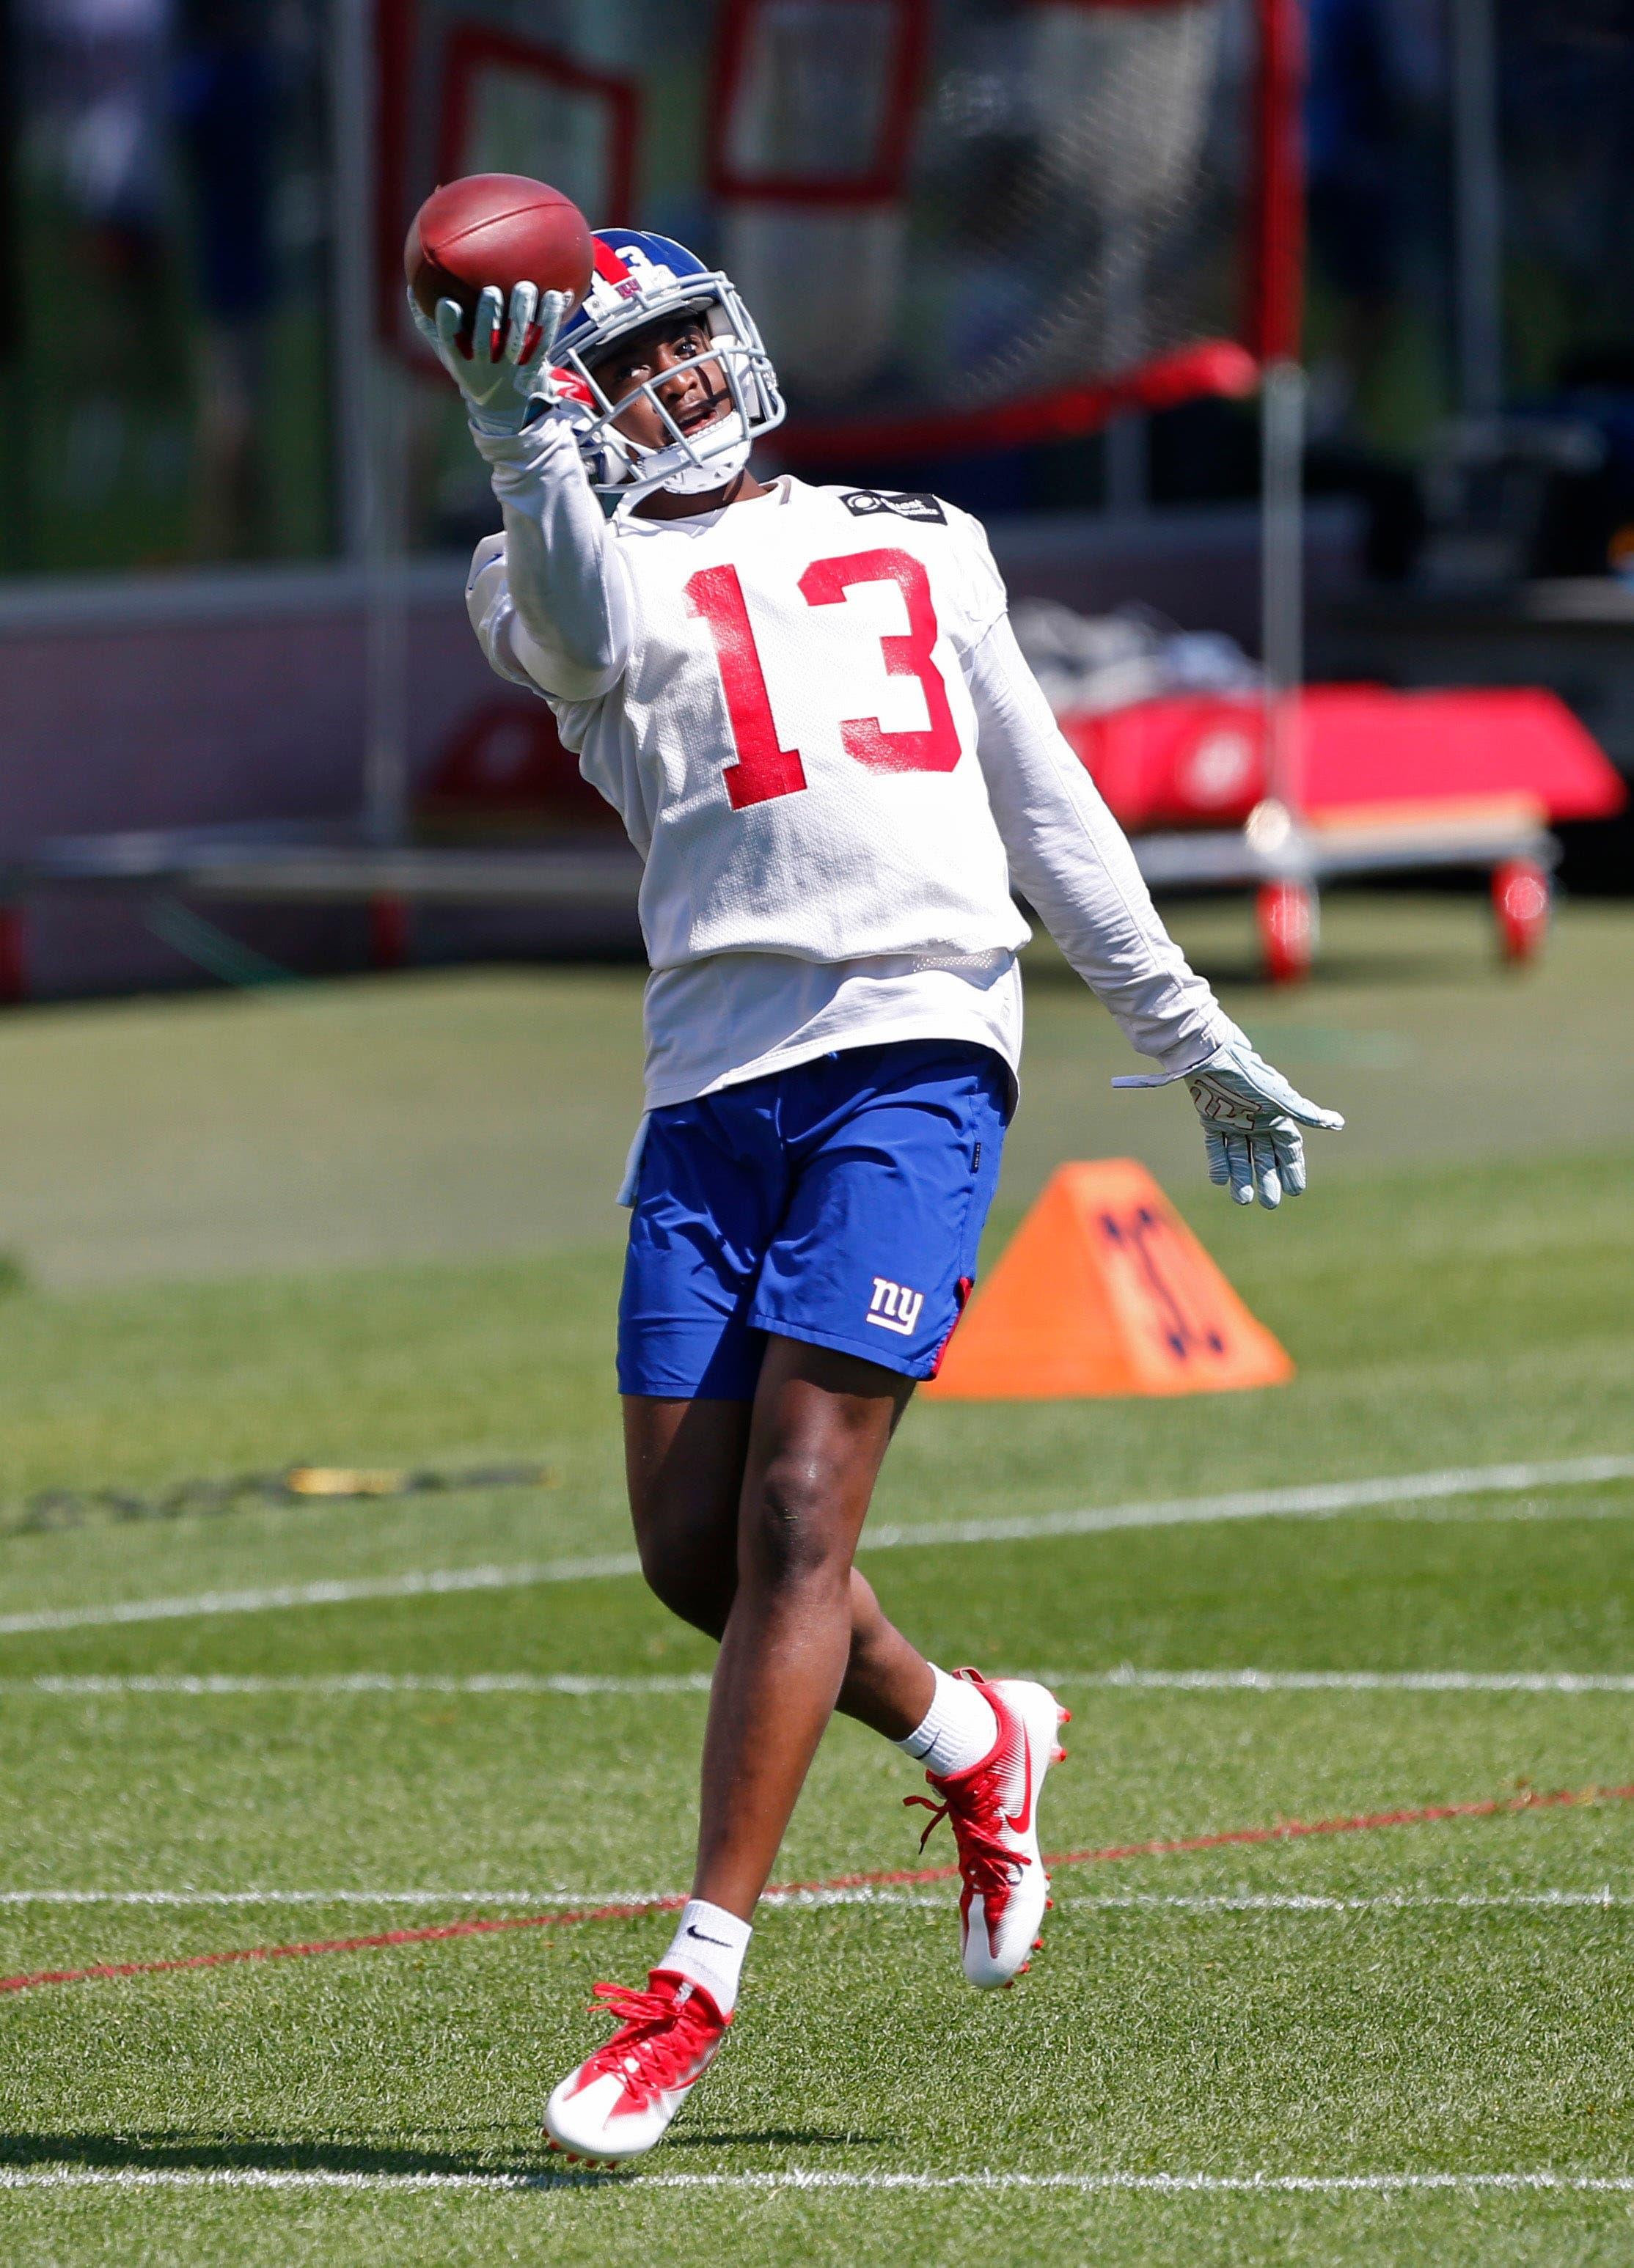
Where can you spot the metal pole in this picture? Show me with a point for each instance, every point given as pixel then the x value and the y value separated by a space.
pixel 16 455
pixel 1479 221
pixel 1282 575
pixel 1280 199
pixel 1125 445
pixel 1127 461
pixel 372 428
pixel 351 305
pixel 385 613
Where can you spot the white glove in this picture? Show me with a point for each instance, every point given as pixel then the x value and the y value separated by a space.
pixel 506 368
pixel 1248 1111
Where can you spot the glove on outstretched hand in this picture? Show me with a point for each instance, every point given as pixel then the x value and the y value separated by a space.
pixel 1249 1112
pixel 506 367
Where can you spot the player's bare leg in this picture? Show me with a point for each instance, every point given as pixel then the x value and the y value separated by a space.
pixel 685 1463
pixel 690 1494
pixel 784 1484
pixel 821 1427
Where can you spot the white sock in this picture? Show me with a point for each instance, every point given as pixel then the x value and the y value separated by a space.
pixel 960 1727
pixel 709 1946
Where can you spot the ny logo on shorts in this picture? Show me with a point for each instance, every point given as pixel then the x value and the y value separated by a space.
pixel 894 1306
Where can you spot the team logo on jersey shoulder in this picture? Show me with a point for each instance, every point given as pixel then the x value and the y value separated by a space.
pixel 907 503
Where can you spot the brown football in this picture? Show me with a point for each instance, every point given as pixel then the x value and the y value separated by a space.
pixel 497 228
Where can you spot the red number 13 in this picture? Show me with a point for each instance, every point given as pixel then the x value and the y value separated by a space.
pixel 763 769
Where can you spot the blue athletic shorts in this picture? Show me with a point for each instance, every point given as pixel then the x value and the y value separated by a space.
pixel 841 1202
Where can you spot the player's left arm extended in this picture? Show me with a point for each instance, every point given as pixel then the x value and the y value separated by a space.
pixel 1070 859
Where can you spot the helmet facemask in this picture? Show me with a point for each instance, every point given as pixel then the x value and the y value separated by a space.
pixel 689 464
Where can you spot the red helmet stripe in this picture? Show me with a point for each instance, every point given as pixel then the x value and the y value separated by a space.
pixel 610 267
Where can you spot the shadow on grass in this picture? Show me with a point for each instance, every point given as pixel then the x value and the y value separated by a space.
pixel 793 2137
pixel 178 2151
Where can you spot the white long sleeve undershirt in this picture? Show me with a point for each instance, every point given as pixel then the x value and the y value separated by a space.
pixel 1072 861
pixel 558 611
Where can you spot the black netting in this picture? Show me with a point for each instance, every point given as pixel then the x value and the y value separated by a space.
pixel 1052 196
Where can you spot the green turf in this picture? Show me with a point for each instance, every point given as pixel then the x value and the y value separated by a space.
pixel 1456 1290
pixel 480 1112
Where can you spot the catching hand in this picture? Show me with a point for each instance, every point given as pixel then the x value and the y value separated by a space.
pixel 1251 1120
pixel 501 365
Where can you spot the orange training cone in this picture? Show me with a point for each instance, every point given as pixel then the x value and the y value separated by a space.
pixel 1104 1290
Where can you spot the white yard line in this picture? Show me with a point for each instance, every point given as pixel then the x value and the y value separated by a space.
pixel 532 1901
pixel 270 2177
pixel 1385 1901
pixel 1322 1500
pixel 569 1685
pixel 1244 1902
pixel 931 1900
pixel 1318 1501
pixel 565 1683
pixel 433 1583
pixel 1344 1681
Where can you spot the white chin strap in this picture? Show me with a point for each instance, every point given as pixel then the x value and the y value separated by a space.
pixel 714 455
pixel 728 449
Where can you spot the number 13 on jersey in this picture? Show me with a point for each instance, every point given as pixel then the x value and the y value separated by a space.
pixel 763 769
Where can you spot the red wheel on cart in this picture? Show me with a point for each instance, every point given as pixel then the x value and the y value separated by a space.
pixel 389 930
pixel 13 967
pixel 1287 918
pixel 1521 898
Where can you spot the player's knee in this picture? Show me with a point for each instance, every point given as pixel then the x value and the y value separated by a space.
pixel 699 1595
pixel 789 1539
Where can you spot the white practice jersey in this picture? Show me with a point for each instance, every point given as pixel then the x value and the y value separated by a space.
pixel 810 713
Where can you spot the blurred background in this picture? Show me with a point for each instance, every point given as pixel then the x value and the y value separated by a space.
pixel 1286 348
pixel 1034 254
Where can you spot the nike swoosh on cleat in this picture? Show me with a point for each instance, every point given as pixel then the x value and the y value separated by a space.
pixel 1019 1826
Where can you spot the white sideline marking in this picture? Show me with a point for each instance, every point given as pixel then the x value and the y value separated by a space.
pixel 1385 1901
pixel 416 1585
pixel 1243 1902
pixel 534 1898
pixel 857 1894
pixel 1316 1501
pixel 1125 1678
pixel 1321 1500
pixel 1346 1681
pixel 362 1681
pixel 796 2177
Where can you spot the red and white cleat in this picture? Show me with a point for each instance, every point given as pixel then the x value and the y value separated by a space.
pixel 993 1811
pixel 621 2100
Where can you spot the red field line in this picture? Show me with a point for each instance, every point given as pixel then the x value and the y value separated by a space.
pixel 1285 1831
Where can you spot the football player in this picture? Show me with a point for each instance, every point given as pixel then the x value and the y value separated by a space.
pixel 809 709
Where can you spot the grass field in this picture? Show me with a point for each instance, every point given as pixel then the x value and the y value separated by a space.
pixel 369 1225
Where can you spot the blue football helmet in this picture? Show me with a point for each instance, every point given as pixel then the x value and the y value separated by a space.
pixel 639 278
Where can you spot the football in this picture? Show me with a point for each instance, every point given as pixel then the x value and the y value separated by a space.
pixel 497 228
